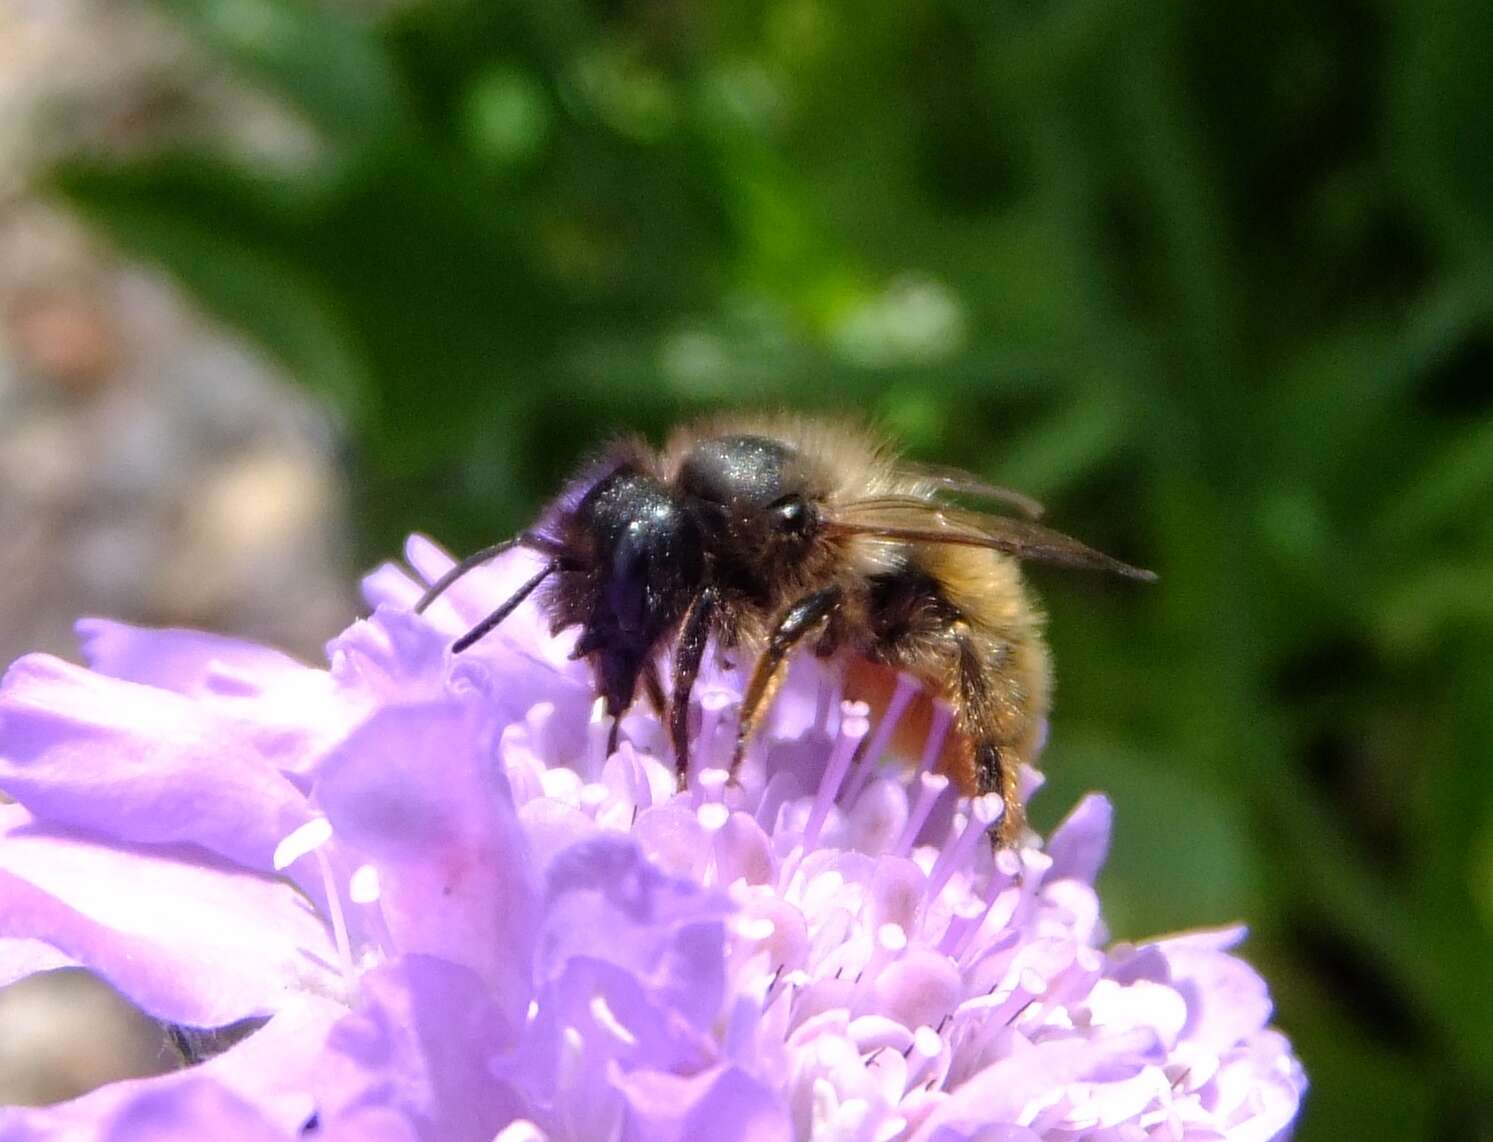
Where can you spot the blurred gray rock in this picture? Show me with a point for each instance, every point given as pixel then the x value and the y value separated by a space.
pixel 153 467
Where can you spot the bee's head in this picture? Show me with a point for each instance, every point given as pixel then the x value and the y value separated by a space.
pixel 756 501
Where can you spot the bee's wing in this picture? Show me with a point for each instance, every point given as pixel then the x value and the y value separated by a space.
pixel 912 520
pixel 961 483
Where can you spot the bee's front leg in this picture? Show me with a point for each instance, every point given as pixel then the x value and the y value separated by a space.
pixel 694 633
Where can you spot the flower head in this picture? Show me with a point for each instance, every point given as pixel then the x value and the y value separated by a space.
pixel 459 917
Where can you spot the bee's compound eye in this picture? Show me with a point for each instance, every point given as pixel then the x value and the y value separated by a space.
pixel 791 515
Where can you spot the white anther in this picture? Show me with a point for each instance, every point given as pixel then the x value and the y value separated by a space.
pixel 305 839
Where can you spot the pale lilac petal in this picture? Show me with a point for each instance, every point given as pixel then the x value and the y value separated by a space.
pixel 407 788
pixel 1260 1088
pixel 368 1124
pixel 1264 1107
pixel 186 938
pixel 1079 846
pixel 195 1110
pixel 724 1104
pixel 533 664
pixel 467 601
pixel 137 763
pixel 419 1045
pixel 618 1018
pixel 390 585
pixel 392 656
pixel 1220 939
pixel 604 900
pixel 22 957
pixel 1003 1092
pixel 186 661
pixel 920 989
pixel 1226 998
pixel 291 713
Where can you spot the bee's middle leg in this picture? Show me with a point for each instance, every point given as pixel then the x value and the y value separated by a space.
pixel 653 687
pixel 811 613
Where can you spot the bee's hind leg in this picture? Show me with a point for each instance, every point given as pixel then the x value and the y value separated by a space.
pixel 979 717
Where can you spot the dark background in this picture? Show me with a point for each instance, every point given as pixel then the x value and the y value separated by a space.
pixel 1215 282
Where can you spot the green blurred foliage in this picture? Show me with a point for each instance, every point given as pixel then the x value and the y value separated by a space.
pixel 1214 281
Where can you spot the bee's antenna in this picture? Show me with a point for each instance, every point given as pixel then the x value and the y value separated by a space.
pixel 478 558
pixel 470 563
pixel 485 627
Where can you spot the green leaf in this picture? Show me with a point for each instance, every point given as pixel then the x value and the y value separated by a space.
pixel 1444 90
pixel 1454 484
pixel 326 64
pixel 1069 446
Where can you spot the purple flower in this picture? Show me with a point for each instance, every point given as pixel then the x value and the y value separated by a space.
pixel 458 918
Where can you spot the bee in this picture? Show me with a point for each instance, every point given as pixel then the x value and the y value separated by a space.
pixel 774 533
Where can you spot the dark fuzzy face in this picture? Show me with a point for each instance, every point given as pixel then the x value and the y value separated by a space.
pixel 647 556
pixel 756 505
pixel 637 560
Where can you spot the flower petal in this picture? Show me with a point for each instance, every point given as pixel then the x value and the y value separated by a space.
pixel 22 957
pixel 604 900
pixel 533 664
pixel 419 1046
pixel 291 713
pixel 188 938
pixel 369 1124
pixel 392 656
pixel 723 1103
pixel 467 601
pixel 188 662
pixel 780 953
pixel 1007 1090
pixel 138 763
pixel 452 861
pixel 1079 845
pixel 1227 1001
pixel 190 1111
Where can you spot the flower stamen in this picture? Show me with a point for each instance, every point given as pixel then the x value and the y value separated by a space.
pixel 930 789
pixel 853 728
pixel 907 689
pixel 938 730
pixel 983 812
pixel 598 734
pixel 339 922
